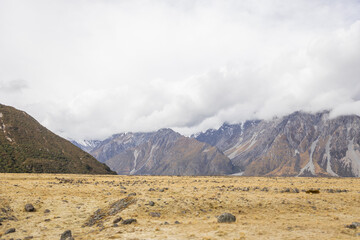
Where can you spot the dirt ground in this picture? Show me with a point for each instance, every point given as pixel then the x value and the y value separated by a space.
pixel 265 208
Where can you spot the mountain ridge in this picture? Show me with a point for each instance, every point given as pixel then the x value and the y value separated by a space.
pixel 164 152
pixel 27 146
pixel 298 144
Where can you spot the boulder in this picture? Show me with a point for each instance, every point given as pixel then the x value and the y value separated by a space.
pixel 226 218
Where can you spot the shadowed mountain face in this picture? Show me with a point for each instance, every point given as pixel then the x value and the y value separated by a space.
pixel 26 146
pixel 299 144
pixel 164 152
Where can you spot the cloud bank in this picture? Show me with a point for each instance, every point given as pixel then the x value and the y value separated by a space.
pixel 89 69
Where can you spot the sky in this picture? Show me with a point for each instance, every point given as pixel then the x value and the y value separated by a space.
pixel 90 69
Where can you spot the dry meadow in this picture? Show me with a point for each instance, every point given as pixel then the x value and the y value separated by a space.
pixel 171 207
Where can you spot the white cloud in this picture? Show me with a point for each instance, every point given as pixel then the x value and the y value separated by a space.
pixel 13 86
pixel 95 68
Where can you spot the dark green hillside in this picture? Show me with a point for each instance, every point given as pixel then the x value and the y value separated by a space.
pixel 26 146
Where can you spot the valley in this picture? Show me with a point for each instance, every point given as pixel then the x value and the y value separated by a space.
pixel 174 207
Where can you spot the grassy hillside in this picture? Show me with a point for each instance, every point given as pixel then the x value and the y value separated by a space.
pixel 26 146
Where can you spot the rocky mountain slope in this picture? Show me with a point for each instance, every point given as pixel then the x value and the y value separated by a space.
pixel 26 146
pixel 300 144
pixel 118 143
pixel 164 152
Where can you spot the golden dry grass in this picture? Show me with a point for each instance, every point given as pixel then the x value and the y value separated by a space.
pixel 193 201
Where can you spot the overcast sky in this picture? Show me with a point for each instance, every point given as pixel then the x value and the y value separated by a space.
pixel 89 69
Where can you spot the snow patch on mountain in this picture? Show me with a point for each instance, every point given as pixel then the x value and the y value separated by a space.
pixel 328 157
pixel 310 165
pixel 136 154
pixel 354 158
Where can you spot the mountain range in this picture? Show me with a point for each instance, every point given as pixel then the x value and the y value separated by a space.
pixel 26 146
pixel 163 152
pixel 299 144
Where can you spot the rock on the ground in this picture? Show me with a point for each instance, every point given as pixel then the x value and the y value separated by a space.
pixel 10 230
pixel 155 214
pixel 356 224
pixel 129 221
pixel 114 208
pixel 151 203
pixel 29 208
pixel 117 220
pixel 67 235
pixel 226 218
pixel 351 226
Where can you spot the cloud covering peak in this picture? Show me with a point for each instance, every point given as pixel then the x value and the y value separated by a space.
pixel 94 68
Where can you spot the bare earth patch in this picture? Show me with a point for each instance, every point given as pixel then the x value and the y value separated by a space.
pixel 178 207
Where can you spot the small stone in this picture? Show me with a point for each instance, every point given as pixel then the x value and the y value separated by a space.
pixel 151 189
pixel 117 220
pixel 47 220
pixel 46 211
pixel 66 235
pixel 11 230
pixel 356 224
pixel 115 225
pixel 162 190
pixel 166 223
pixel 29 208
pixel 226 218
pixel 28 237
pixel 132 194
pixel 151 203
pixel 351 226
pixel 177 222
pixel 129 221
pixel 286 190
pixel 155 214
